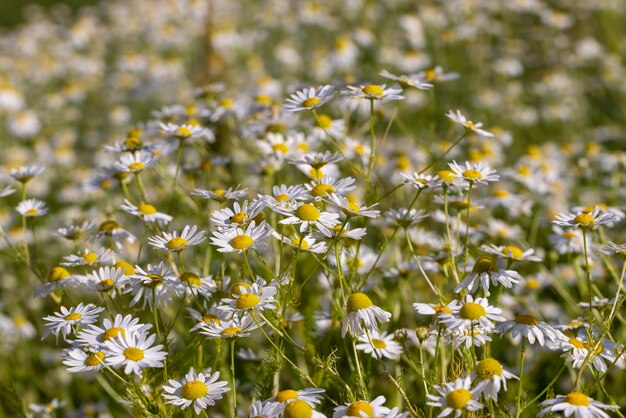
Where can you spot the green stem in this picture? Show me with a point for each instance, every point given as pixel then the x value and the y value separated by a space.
pixel 518 410
pixel 232 374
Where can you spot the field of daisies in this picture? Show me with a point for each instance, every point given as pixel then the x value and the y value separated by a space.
pixel 281 209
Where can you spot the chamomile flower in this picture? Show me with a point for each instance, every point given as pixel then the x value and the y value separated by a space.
pixel 566 241
pixel 220 195
pixel 240 240
pixel 196 285
pixel 90 258
pixel 311 396
pixel 173 242
pixel 436 74
pixel 360 409
pixel 350 208
pixel 407 81
pixel 346 231
pixel 63 321
pixel 134 352
pixel 317 160
pixel 404 217
pixel 305 243
pixel 104 279
pixel 47 409
pixel 468 124
pixel 257 297
pixel 156 282
pixel 456 397
pixel 95 335
pixel 327 185
pixel 530 328
pixel 326 126
pixel 422 181
pixel 32 208
pixel 58 278
pixel 380 345
pixel 373 92
pixel 511 252
pixel 308 215
pixel 612 248
pixel 577 404
pixel 477 336
pixel 308 99
pixel 111 230
pixel 265 409
pixel 598 303
pixel 186 131
pixel 360 309
pixel 207 315
pixel 300 409
pixel 434 308
pixel 78 360
pixel 585 220
pixel 494 376
pixel 146 212
pixel 199 389
pixel 474 173
pixel 135 163
pixel 486 272
pixel 74 232
pixel 284 197
pixel 25 173
pixel 235 327
pixel 239 215
pixel 578 351
pixel 470 313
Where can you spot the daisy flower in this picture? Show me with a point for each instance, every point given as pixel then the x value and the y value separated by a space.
pixel 32 208
pixel 404 217
pixel 472 312
pixel 350 208
pixel 265 409
pixel 235 327
pixel 90 258
pixel 308 99
pixel 239 215
pixel 207 315
pixel 48 408
pixel 111 230
pixel 176 243
pixel 146 212
pixel 327 185
pixel 134 352
pixel 104 279
pixel 240 240
pixel 477 336
pixel 434 309
pixel 585 220
pixel 530 328
pixel 58 277
pixel 220 195
pixel 598 303
pixel 301 409
pixel 484 272
pixel 456 397
pixel 283 197
pixel 308 215
pixel 95 335
pixel 511 252
pixel 305 243
pixel 155 282
pixel 578 352
pixel 317 160
pixel 373 92
pixel 468 124
pixel 73 231
pixel 25 173
pixel 566 241
pixel 577 404
pixel 406 81
pixel 612 248
pixel 361 309
pixel 199 389
pixel 494 376
pixel 343 232
pixel 360 409
pixel 135 163
pixel 436 74
pixel 380 345
pixel 311 396
pixel 474 173
pixel 422 181
pixel 327 126
pixel 186 131
pixel 257 297
pixel 196 285
pixel 77 360
pixel 62 322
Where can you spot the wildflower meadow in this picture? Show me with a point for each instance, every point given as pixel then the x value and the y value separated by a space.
pixel 310 209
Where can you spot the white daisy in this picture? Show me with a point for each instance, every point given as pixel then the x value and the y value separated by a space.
pixel 474 173
pixel 530 328
pixel 104 279
pixel 90 258
pixel 350 208
pixel 361 309
pixel 311 396
pixel 407 81
pixel 373 92
pixel 235 327
pixel 471 312
pixel 73 231
pixel 111 230
pixel 305 243
pixel 239 215
pixel 265 409
pixel 380 345
pixel 484 272
pixel 403 217
pixel 308 99
pixel 307 215
pixel 436 74
pixel 240 240
pixel 186 131
pixel 585 220
pixel 468 124
pixel 156 282
pixel 317 160
pixel 58 277
pixel 284 197
pixel 32 208
pixel 25 173
pixel 511 252
pixel 422 181
pixel 95 335
pixel 199 389
pixel 220 195
pixel 577 404
pixel 456 397
pixel 490 371
pixel 257 297
pixel 174 242
pixel 477 336
pixel 146 212
pixel 360 409
pixel 77 360
pixel 566 241
pixel 134 352
pixel 135 163
pixel 327 184
pixel 62 322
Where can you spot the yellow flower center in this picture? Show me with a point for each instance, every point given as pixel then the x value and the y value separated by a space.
pixel 286 395
pixel 136 166
pixel 177 243
pixel 105 284
pixel 90 258
pixel 373 90
pixel 303 245
pixel 190 278
pixel 112 333
pixel 310 102
pixel 442 309
pixel 484 264
pixel 219 192
pixel 324 121
pixel 321 190
pixel 526 320
pixel 380 344
pixel 533 284
pixel 58 273
pixel 241 242
pixel 446 175
pixel 282 148
pixel 472 311
pixel 577 399
pixel 585 220
pixel 403 162
pixel 73 316
pixel 355 409
pixel 227 103
pixel 193 390
pixel 231 331
pixel 247 301
pixel 501 193
pixel 94 359
pixel 358 301
pixel 184 132
pixel 238 218
pixel 575 324
pixel 147 209
pixel 488 368
pixel 513 252
pixel 576 343
pixel 236 288
pixel 472 174
pixel 457 399
pixel 132 142
pixel 133 354
pixel 308 212
pixel 207 318
pixel 298 409
pixel 32 212
pixel 127 267
pixel 569 234
pixel 282 197
pixel 108 226
pixel 263 100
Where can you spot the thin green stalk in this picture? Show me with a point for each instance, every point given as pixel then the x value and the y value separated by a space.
pixel 232 374
pixel 518 403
